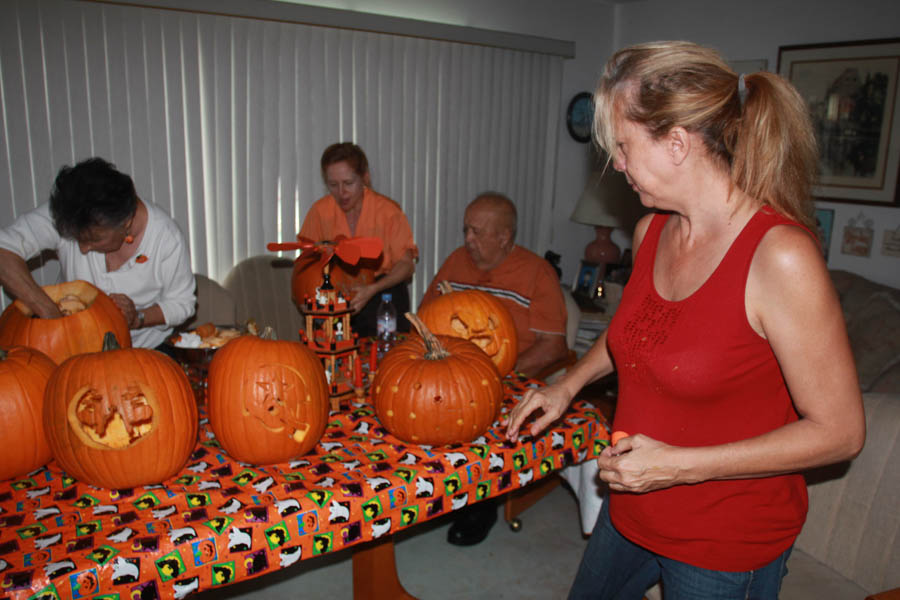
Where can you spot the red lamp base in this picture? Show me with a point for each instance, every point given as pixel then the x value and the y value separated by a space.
pixel 602 251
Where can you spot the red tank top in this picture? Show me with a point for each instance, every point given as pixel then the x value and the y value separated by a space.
pixel 695 373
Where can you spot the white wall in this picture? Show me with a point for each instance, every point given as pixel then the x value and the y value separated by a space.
pixel 751 30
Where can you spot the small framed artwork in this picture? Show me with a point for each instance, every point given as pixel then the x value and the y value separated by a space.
pixel 851 91
pixel 890 244
pixel 858 236
pixel 825 225
pixel 586 283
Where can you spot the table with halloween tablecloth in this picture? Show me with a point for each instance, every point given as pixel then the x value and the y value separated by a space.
pixel 220 521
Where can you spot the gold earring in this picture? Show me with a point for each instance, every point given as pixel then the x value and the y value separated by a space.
pixel 129 239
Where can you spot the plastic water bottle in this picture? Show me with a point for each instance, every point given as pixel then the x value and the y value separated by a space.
pixel 386 324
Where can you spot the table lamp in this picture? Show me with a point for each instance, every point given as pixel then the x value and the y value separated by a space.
pixel 607 202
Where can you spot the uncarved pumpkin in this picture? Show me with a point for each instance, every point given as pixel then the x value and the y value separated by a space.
pixel 23 378
pixel 436 389
pixel 475 316
pixel 120 418
pixel 66 336
pixel 307 276
pixel 267 399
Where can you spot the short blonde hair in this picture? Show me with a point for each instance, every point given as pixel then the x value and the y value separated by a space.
pixel 760 135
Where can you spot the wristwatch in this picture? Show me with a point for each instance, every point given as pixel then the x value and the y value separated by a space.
pixel 141 317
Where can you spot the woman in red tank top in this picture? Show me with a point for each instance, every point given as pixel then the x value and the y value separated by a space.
pixel 735 372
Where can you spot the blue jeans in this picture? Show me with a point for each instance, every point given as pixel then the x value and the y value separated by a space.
pixel 614 568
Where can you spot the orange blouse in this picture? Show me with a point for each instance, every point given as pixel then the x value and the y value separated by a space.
pixel 381 217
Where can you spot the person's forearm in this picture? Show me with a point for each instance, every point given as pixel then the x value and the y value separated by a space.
pixel 794 447
pixel 402 270
pixel 153 315
pixel 17 279
pixel 544 352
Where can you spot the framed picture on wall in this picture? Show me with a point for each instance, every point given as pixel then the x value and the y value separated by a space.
pixel 851 91
pixel 825 225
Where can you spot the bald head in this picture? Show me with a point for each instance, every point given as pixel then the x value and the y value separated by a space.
pixel 490 229
pixel 503 209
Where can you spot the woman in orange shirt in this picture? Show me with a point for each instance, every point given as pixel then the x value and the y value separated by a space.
pixel 353 209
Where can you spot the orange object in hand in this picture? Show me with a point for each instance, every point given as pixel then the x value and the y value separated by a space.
pixel 618 435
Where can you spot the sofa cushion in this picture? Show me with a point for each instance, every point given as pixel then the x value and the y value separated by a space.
pixel 874 332
pixel 854 290
pixel 853 525
pixel 809 579
pixel 889 381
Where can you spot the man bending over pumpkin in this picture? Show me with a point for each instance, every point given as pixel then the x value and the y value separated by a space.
pixel 528 286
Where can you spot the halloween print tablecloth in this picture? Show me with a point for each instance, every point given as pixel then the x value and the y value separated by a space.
pixel 220 521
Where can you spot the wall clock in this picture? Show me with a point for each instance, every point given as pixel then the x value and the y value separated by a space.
pixel 580 117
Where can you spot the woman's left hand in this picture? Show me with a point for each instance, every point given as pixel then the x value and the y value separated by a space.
pixel 129 311
pixel 361 297
pixel 639 464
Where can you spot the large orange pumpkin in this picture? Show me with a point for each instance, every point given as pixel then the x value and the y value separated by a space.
pixel 475 316
pixel 120 418
pixel 23 377
pixel 436 389
pixel 66 336
pixel 307 276
pixel 267 399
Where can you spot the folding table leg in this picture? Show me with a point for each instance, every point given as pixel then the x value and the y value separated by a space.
pixel 375 573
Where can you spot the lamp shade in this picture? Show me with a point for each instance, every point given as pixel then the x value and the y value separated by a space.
pixel 608 201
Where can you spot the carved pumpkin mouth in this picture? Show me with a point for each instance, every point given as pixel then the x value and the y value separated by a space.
pixel 111 421
pixel 273 384
pixel 300 433
pixel 480 333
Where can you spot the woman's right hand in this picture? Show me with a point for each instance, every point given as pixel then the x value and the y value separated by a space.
pixel 552 400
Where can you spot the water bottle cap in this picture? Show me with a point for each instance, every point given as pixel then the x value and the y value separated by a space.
pixel 386 297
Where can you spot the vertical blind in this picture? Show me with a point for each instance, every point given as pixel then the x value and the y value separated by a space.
pixel 222 120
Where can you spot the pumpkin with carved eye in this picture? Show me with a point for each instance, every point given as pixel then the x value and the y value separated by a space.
pixel 23 377
pixel 475 316
pixel 267 399
pixel 436 389
pixel 120 418
pixel 88 315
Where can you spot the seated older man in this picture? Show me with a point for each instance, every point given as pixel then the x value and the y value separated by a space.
pixel 528 286
pixel 526 283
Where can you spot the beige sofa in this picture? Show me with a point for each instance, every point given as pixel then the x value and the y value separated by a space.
pixel 850 545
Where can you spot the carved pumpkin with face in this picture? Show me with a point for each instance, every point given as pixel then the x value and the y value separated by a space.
pixel 120 418
pixel 268 399
pixel 475 316
pixel 89 315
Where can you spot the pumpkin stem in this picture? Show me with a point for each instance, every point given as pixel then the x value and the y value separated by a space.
pixel 2 354
pixel 444 287
pixel 268 334
pixel 110 342
pixel 434 350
